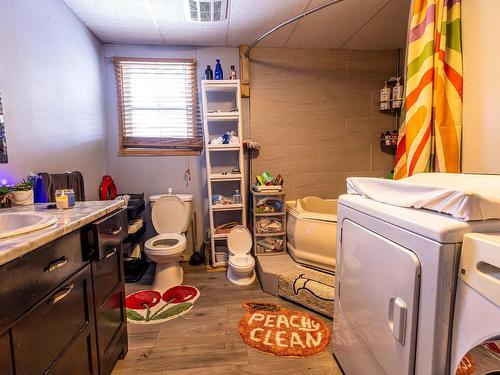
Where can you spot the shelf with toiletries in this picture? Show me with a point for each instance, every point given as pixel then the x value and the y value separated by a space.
pixel 227 141
pixel 389 140
pixel 270 245
pixel 224 160
pixel 391 95
pixel 268 222
pixel 268 203
pixel 268 225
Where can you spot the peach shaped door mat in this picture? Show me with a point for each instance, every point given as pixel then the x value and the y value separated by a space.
pixel 270 328
pixel 153 306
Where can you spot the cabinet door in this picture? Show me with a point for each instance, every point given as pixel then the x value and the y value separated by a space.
pixel 5 355
pixel 107 274
pixel 109 296
pixel 379 289
pixel 111 328
pixel 75 360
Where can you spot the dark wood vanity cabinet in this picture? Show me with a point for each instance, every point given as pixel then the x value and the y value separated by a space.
pixel 105 241
pixel 62 306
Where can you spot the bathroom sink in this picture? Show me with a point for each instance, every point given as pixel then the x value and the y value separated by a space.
pixel 16 223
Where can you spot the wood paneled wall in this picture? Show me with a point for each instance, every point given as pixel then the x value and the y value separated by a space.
pixel 315 113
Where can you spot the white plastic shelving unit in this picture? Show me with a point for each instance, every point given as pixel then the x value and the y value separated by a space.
pixel 221 113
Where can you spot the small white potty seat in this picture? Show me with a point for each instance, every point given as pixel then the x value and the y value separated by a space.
pixel 168 217
pixel 241 265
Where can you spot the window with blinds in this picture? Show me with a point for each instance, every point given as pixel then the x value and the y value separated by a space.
pixel 158 106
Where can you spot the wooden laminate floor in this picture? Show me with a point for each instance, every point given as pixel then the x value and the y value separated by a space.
pixel 205 341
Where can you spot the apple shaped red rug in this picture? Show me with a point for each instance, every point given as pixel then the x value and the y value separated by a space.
pixel 152 306
pixel 272 329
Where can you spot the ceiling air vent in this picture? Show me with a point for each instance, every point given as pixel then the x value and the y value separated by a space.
pixel 207 10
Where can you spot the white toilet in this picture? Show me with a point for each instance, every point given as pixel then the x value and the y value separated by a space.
pixel 171 218
pixel 241 265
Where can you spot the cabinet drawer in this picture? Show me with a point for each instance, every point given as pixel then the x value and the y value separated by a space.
pixel 41 335
pixel 26 280
pixel 108 233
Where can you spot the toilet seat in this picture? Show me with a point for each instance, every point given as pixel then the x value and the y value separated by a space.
pixel 166 243
pixel 242 262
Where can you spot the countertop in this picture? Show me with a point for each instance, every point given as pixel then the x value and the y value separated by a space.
pixel 68 221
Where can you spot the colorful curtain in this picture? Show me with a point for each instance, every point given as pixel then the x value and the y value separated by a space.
pixel 430 134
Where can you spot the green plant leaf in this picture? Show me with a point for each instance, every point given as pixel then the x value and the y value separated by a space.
pixel 134 315
pixel 174 310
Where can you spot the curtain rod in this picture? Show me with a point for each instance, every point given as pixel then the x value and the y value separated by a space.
pixel 283 24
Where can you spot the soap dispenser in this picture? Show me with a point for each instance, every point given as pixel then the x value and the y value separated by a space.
pixel 218 70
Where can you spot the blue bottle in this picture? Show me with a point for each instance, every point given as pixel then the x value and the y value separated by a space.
pixel 218 70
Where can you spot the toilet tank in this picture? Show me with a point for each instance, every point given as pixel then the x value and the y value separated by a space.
pixel 187 199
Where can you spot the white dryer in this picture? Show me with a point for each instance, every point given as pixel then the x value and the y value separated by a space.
pixel 476 323
pixel 395 286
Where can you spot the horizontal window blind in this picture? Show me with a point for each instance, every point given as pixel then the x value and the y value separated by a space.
pixel 158 104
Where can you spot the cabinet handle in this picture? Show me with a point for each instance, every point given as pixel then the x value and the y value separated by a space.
pixel 54 265
pixel 115 232
pixel 61 294
pixel 111 253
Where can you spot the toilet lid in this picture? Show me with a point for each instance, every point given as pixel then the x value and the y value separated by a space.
pixel 168 215
pixel 239 240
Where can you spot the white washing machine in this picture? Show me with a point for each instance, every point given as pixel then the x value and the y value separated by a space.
pixel 476 323
pixel 395 286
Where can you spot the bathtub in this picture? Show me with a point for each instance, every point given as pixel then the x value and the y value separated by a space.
pixel 312 232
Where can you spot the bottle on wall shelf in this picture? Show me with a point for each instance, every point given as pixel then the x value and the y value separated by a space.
pixel 237 197
pixel 385 95
pixel 232 74
pixel 397 94
pixel 219 75
pixel 209 74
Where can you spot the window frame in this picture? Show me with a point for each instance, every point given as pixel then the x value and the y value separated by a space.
pixel 150 150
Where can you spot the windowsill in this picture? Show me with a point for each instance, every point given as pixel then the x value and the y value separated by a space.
pixel 156 152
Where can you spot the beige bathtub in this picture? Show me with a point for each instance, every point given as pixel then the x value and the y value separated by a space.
pixel 312 232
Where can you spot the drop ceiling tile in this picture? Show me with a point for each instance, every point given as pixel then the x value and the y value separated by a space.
pixel 177 29
pixel 123 21
pixel 165 22
pixel 250 19
pixel 387 30
pixel 332 26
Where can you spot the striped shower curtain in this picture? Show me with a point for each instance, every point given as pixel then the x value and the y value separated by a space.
pixel 430 134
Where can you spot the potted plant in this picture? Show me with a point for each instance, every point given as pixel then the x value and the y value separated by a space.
pixel 22 193
pixel 5 196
